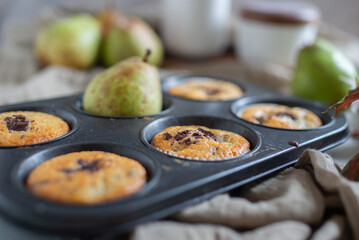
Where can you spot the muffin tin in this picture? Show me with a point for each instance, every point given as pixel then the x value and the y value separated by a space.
pixel 173 182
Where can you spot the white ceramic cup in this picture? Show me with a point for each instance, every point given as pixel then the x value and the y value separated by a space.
pixel 259 43
pixel 196 28
pixel 275 31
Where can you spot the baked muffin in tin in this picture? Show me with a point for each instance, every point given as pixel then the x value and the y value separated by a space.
pixel 206 90
pixel 27 127
pixel 280 116
pixel 87 177
pixel 200 143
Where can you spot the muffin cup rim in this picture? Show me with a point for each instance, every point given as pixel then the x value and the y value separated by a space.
pixel 18 177
pixel 277 101
pixel 73 125
pixel 180 77
pixel 253 149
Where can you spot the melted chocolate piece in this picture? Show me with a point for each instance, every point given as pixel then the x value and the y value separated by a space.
pixel 89 166
pixel 181 135
pixel 294 143
pixel 261 120
pixel 197 135
pixel 17 123
pixel 84 166
pixel 208 134
pixel 188 141
pixel 286 114
pixel 168 136
pixel 212 91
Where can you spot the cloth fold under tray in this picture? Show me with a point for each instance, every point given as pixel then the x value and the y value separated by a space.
pixel 292 205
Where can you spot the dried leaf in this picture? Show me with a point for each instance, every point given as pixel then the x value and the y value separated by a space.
pixel 345 102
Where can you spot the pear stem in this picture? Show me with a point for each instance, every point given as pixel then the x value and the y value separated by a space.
pixel 147 55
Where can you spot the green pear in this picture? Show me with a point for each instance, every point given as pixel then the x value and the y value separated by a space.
pixel 129 88
pixel 323 73
pixel 73 41
pixel 127 36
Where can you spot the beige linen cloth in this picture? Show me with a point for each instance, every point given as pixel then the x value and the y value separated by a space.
pixel 308 201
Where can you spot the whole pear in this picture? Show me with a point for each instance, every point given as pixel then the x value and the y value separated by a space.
pixel 323 73
pixel 126 36
pixel 130 88
pixel 73 41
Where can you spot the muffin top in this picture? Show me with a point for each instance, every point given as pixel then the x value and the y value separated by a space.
pixel 200 143
pixel 88 177
pixel 206 90
pixel 26 127
pixel 280 116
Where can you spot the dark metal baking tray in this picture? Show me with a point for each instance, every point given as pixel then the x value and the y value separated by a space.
pixel 173 183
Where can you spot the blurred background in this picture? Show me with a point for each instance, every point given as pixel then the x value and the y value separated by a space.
pixel 193 34
pixel 343 14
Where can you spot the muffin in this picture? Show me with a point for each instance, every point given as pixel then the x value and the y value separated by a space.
pixel 198 142
pixel 25 127
pixel 206 90
pixel 280 116
pixel 88 177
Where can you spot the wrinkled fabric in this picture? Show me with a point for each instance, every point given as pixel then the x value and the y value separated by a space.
pixel 290 205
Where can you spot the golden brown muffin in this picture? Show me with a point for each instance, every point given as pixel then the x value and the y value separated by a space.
pixel 88 177
pixel 206 89
pixel 200 143
pixel 280 116
pixel 25 127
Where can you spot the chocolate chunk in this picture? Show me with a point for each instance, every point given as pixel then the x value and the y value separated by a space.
pixel 17 123
pixel 89 166
pixel 212 91
pixel 20 117
pixel 294 143
pixel 168 136
pixel 197 135
pixel 206 133
pixel 84 166
pixel 261 120
pixel 181 135
pixel 286 114
pixel 188 141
